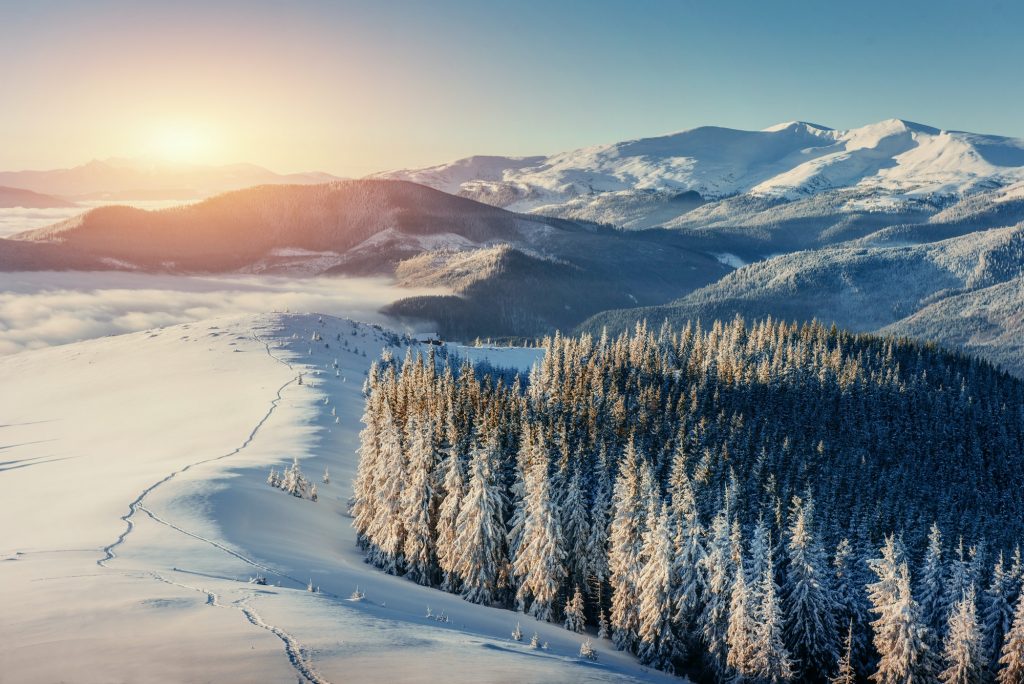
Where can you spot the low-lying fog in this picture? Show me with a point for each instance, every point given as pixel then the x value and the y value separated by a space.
pixel 46 308
pixel 18 219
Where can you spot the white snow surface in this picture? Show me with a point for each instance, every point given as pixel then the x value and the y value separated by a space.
pixel 790 160
pixel 135 509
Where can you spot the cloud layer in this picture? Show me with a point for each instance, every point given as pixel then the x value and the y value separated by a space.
pixel 43 309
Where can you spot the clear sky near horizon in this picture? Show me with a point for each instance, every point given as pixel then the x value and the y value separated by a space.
pixel 354 87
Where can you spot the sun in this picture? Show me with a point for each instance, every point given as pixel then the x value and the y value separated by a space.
pixel 181 143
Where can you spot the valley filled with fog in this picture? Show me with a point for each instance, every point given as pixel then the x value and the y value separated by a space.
pixel 41 309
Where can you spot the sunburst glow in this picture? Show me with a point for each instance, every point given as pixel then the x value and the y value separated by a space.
pixel 181 143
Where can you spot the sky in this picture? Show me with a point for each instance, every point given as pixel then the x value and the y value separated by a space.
pixel 353 87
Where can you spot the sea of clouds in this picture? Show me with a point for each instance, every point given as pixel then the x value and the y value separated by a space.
pixel 40 309
pixel 17 219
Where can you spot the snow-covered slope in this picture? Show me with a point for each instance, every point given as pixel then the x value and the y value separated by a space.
pixel 135 509
pixel 963 291
pixel 891 158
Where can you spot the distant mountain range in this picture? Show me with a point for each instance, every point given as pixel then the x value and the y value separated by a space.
pixel 16 197
pixel 149 179
pixel 893 227
pixel 957 278
pixel 508 274
pixel 656 181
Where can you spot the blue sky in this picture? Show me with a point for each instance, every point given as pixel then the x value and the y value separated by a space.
pixel 352 87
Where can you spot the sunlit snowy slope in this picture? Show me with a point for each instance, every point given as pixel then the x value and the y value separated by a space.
pixel 645 182
pixel 135 510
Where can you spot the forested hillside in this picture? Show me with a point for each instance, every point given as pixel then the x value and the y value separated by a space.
pixel 867 288
pixel 758 503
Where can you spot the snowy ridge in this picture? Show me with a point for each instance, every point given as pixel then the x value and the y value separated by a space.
pixel 791 160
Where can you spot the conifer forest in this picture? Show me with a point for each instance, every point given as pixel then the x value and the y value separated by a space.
pixel 759 502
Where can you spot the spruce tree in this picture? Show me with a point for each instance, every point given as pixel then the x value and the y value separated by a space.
pixel 418 503
pixel 963 653
pixel 932 586
pixel 624 548
pixel 900 637
pixel 720 573
pixel 480 542
pixel 654 587
pixel 1011 659
pixel 807 602
pixel 768 659
pixel 447 529
pixel 576 530
pixel 574 617
pixel 845 673
pixel 539 564
pixel 997 613
pixel 740 631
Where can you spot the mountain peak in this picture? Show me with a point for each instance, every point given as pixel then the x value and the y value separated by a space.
pixel 796 125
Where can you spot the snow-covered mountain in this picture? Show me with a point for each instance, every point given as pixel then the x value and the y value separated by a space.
pixel 961 291
pixel 524 275
pixel 888 163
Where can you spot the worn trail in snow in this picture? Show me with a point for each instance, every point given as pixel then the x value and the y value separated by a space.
pixel 136 504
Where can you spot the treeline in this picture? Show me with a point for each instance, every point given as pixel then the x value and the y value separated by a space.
pixel 770 503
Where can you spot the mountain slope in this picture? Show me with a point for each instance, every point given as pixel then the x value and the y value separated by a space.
pixel 988 322
pixel 551 273
pixel 238 228
pixel 891 158
pixel 865 289
pixel 146 531
pixel 17 197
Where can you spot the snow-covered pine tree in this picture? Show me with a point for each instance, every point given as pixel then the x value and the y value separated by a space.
pixel 807 602
pixel 851 608
pixel 418 502
pixel 900 637
pixel 720 573
pixel 654 587
pixel 576 530
pixel 1011 659
pixel 997 613
pixel 539 564
pixel 454 486
pixel 845 673
pixel 624 549
pixel 767 657
pixel 597 542
pixel 688 553
pixel 740 633
pixel 480 542
pixel 1015 576
pixel 932 587
pixel 603 630
pixel 294 482
pixel 959 577
pixel 963 653
pixel 387 529
pixel 575 620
